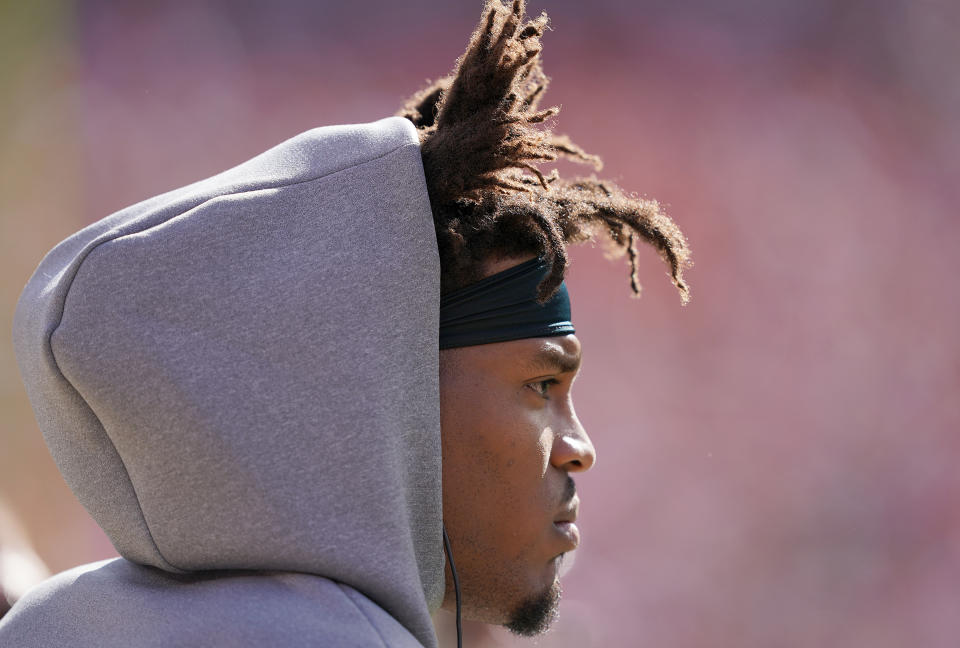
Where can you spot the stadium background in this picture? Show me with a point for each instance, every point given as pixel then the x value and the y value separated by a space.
pixel 776 460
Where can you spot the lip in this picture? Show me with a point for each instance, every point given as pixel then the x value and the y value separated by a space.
pixel 569 512
pixel 565 521
pixel 570 532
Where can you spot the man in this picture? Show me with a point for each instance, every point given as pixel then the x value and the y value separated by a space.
pixel 253 382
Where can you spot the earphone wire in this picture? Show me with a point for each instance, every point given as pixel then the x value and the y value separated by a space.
pixel 456 585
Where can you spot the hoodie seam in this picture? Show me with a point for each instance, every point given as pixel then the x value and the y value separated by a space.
pixel 103 431
pixel 346 594
pixel 79 264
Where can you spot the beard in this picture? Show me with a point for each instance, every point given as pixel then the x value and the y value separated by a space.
pixel 536 614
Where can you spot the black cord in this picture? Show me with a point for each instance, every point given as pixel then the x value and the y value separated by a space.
pixel 456 585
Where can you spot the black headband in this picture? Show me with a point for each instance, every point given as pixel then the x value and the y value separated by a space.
pixel 504 307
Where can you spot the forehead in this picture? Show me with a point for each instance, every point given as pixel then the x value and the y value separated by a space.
pixel 561 353
pixel 532 355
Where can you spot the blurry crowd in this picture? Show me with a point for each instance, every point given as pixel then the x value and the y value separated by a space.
pixel 20 567
pixel 775 460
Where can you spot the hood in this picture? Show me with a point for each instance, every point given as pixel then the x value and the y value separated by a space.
pixel 242 373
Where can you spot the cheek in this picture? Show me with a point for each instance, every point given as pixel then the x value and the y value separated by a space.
pixel 497 433
pixel 496 453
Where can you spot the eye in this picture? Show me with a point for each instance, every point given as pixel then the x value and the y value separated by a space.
pixel 542 387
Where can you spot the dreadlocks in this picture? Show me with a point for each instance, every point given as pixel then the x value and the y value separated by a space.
pixel 480 141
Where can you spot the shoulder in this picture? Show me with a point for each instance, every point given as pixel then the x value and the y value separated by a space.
pixel 119 603
pixel 40 617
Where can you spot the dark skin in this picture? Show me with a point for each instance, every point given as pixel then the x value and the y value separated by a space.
pixel 511 440
pixel 507 456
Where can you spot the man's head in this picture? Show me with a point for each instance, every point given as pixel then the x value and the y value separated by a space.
pixel 511 443
pixel 511 439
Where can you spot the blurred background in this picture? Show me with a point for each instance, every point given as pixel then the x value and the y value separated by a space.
pixel 777 459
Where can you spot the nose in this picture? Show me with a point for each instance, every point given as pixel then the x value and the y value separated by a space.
pixel 572 450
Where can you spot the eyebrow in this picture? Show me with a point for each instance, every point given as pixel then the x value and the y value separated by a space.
pixel 553 359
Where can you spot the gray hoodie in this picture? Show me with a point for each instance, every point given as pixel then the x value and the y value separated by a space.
pixel 238 380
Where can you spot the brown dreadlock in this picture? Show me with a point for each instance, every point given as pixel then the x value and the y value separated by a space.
pixel 480 144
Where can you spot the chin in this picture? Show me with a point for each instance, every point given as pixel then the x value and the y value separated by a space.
pixel 534 615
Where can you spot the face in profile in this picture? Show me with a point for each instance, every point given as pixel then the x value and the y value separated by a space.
pixel 511 442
